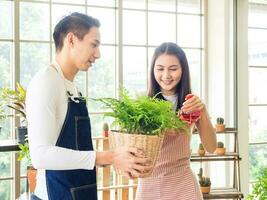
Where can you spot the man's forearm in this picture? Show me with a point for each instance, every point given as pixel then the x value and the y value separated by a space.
pixel 104 158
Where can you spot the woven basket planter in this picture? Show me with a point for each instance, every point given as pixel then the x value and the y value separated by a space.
pixel 150 144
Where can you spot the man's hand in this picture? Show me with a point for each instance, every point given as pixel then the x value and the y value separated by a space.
pixel 131 161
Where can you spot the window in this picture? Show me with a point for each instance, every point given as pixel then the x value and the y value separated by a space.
pixel 130 30
pixel 257 72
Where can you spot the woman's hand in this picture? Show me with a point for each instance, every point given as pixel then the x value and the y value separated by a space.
pixel 192 104
pixel 191 109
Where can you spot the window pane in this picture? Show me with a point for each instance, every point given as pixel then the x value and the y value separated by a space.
pixel 134 27
pixel 257 42
pixel 167 5
pixel 5 127
pixel 5 190
pixel 34 21
pixel 137 4
pixel 188 30
pixel 150 55
pixel 70 1
pixel 257 12
pixel 194 63
pixel 6 19
pixel 5 63
pixel 107 23
pixel 257 79
pixel 33 58
pixel 101 78
pixel 188 6
pixel 161 28
pixel 257 124
pixel 109 3
pixel 59 11
pixel 258 159
pixel 134 70
pixel 23 185
pixel 5 164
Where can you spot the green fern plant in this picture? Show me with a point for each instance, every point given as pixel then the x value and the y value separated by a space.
pixel 259 191
pixel 143 115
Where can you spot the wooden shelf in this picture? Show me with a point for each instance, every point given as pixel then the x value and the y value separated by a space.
pixel 9 145
pixel 214 157
pixel 227 131
pixel 223 193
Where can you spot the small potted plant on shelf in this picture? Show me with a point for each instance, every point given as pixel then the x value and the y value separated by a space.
pixel 15 99
pixel 201 151
pixel 204 182
pixel 24 154
pixel 220 126
pixel 220 149
pixel 141 123
pixel 105 130
pixel 259 190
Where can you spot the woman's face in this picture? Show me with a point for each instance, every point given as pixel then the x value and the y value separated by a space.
pixel 168 73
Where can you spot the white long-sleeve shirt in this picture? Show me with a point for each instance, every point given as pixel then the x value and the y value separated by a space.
pixel 46 108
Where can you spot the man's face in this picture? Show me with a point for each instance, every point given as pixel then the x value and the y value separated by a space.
pixel 85 52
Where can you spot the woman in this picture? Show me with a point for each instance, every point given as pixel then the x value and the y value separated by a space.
pixel 172 177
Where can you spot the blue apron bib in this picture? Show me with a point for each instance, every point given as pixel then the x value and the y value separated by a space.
pixel 78 184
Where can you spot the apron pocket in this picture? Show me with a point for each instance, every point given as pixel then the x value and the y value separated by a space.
pixel 84 192
pixel 83 133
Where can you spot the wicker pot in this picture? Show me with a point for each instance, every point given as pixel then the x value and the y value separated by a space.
pixel 220 151
pixel 201 152
pixel 205 190
pixel 31 174
pixel 220 127
pixel 150 144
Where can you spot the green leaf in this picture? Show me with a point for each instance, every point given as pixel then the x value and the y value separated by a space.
pixel 143 115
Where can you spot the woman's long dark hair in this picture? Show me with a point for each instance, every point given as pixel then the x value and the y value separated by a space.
pixel 183 87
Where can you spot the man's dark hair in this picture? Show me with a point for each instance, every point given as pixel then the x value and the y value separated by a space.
pixel 77 23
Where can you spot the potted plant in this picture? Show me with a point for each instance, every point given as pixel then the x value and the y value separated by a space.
pixel 259 190
pixel 204 182
pixel 15 99
pixel 105 130
pixel 220 149
pixel 24 154
pixel 201 151
pixel 220 126
pixel 142 123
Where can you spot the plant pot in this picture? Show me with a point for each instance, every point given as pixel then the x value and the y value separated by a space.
pixel 220 127
pixel 220 151
pixel 31 175
pixel 105 133
pixel 150 144
pixel 21 133
pixel 201 152
pixel 205 190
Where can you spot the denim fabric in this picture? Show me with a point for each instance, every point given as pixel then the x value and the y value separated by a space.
pixel 34 197
pixel 76 184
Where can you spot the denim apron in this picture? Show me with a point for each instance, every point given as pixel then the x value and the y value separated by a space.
pixel 78 184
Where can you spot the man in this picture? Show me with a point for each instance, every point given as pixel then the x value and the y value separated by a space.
pixel 58 122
